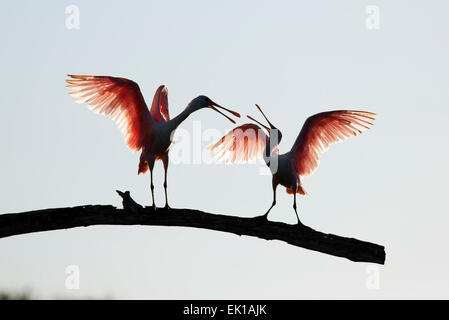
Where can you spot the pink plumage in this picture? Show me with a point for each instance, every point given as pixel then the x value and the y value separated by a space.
pixel 242 144
pixel 317 134
pixel 322 130
pixel 149 131
pixel 118 98
pixel 159 107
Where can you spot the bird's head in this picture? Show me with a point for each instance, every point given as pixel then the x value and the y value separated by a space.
pixel 274 133
pixel 201 102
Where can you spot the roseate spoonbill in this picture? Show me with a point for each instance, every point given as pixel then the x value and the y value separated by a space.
pixel 146 130
pixel 248 142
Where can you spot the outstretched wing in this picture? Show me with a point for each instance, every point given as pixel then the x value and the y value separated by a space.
pixel 159 107
pixel 241 144
pixel 323 129
pixel 118 98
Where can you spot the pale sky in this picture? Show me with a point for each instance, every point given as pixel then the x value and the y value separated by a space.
pixel 294 58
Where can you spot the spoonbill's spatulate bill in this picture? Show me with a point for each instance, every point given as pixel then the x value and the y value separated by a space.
pixel 248 142
pixel 145 130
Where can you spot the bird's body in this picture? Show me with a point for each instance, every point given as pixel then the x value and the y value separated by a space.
pixel 285 174
pixel 146 130
pixel 248 141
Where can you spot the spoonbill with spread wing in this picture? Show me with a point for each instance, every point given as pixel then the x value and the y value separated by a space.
pixel 147 130
pixel 248 142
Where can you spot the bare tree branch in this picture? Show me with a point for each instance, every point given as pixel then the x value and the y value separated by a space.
pixel 135 214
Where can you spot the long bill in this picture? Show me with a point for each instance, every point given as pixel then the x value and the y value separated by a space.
pixel 266 128
pixel 271 125
pixel 214 106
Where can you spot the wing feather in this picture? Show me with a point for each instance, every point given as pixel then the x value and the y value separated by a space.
pixel 241 144
pixel 159 107
pixel 118 98
pixel 322 130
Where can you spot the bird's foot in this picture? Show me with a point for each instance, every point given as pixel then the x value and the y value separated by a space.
pixel 302 226
pixel 262 218
pixel 167 207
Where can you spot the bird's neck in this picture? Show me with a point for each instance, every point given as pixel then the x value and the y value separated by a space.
pixel 272 144
pixel 176 121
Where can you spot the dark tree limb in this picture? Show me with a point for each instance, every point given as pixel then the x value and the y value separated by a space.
pixel 135 214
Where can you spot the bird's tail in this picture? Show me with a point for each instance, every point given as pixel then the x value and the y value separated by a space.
pixel 300 190
pixel 143 168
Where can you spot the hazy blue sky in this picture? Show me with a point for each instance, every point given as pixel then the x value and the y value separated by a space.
pixel 294 58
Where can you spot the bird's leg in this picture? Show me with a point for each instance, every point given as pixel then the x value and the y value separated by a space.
pixel 152 187
pixel 294 205
pixel 274 184
pixel 150 163
pixel 165 162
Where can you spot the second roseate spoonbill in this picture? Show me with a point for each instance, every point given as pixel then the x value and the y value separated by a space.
pixel 248 142
pixel 147 130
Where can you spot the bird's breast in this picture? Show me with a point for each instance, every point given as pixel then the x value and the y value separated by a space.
pixel 161 142
pixel 283 171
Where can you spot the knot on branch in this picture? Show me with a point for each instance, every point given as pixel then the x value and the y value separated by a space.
pixel 129 204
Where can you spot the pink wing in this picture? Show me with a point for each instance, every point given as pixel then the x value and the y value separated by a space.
pixel 159 107
pixel 118 98
pixel 322 130
pixel 241 144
